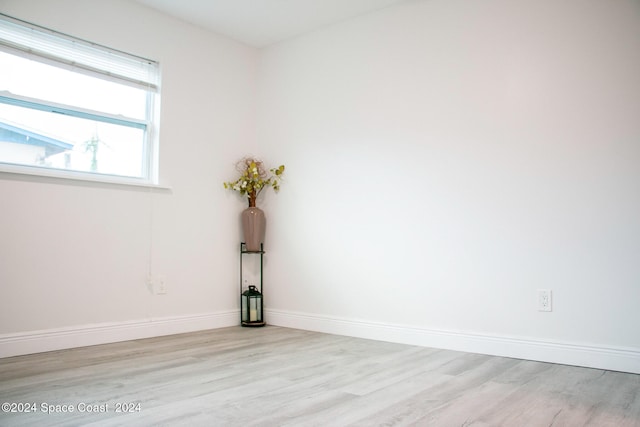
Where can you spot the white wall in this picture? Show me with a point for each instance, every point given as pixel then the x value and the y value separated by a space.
pixel 446 158
pixel 74 255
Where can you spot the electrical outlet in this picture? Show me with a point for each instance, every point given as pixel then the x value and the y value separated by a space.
pixel 544 300
pixel 162 286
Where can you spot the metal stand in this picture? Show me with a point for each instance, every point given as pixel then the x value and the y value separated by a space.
pixel 244 251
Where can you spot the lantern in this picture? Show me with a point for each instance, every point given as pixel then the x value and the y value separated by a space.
pixel 252 307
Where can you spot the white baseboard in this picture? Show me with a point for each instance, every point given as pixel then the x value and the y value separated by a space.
pixel 614 359
pixel 84 335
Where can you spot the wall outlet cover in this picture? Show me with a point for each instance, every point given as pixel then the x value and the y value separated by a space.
pixel 544 299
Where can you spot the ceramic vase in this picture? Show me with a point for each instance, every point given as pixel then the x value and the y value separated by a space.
pixel 253 225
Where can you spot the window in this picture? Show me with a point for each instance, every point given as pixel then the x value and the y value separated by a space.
pixel 73 108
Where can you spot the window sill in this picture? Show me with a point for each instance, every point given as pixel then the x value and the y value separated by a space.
pixel 37 174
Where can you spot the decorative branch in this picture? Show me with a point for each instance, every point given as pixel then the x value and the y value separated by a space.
pixel 254 178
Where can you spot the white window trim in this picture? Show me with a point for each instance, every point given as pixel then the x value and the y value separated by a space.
pixel 148 81
pixel 48 173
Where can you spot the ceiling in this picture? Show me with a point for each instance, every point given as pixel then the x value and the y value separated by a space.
pixel 260 23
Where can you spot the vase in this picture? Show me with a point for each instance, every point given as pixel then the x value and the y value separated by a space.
pixel 253 225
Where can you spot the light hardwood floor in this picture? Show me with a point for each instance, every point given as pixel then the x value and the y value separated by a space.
pixel 285 377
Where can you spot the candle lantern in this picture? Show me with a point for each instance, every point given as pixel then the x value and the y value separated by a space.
pixel 252 307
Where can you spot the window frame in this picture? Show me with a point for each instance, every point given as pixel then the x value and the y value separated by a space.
pixel 149 82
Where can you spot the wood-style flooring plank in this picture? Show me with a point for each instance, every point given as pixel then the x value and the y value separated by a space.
pixel 285 377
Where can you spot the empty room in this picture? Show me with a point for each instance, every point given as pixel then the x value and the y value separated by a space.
pixel 320 212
